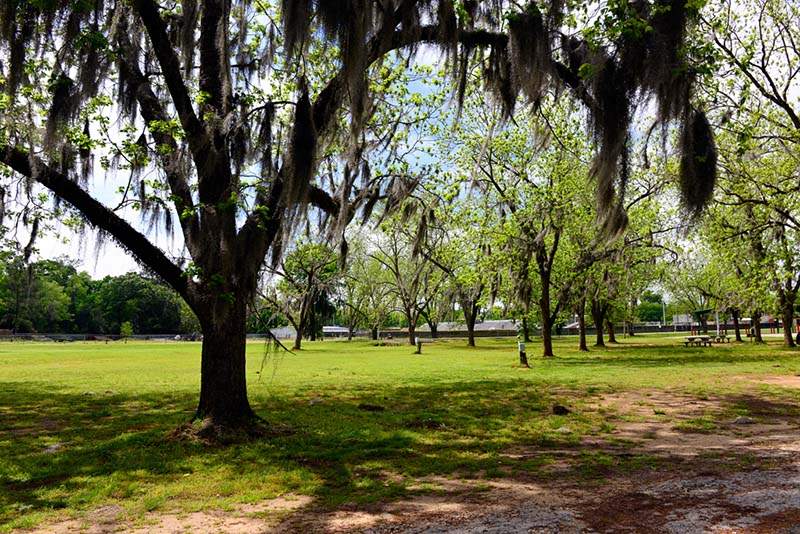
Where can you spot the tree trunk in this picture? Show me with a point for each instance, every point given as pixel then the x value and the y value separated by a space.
pixel 582 326
pixel 756 322
pixel 433 326
pixel 703 324
pixel 736 327
pixel 526 333
pixel 312 326
pixel 223 385
pixel 470 316
pixel 412 331
pixel 298 339
pixel 544 310
pixel 612 337
pixel 786 300
pixel 598 315
pixel 374 334
pixel 547 338
pixel 631 331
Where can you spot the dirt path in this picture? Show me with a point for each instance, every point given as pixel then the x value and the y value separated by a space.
pixel 711 470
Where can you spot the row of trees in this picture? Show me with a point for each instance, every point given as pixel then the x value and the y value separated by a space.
pixel 52 296
pixel 745 262
pixel 503 217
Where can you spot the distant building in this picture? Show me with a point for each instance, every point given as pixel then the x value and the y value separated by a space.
pixel 683 319
pixel 483 326
pixel 284 332
pixel 335 331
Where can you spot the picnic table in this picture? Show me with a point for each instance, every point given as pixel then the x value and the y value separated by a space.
pixel 699 341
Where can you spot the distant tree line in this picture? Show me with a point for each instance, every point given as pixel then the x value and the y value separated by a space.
pixel 53 296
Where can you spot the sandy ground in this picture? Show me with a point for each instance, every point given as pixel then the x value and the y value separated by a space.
pixel 739 476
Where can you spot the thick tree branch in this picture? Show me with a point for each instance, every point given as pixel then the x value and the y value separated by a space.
pixel 214 59
pixel 321 199
pixel 152 110
pixel 171 70
pixel 97 214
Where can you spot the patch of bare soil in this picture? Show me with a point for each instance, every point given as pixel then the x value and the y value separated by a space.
pixel 717 475
pixel 677 425
pixel 245 519
pixel 101 521
pixel 462 506
pixel 786 381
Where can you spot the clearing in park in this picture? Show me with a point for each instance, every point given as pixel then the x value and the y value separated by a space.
pixel 651 436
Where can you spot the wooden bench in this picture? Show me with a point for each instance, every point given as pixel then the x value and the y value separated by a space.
pixel 697 341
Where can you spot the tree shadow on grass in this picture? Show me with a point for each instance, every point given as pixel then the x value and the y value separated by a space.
pixel 76 451
pixel 55 446
pixel 79 451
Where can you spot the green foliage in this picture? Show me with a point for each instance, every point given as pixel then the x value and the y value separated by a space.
pixel 126 329
pixel 151 307
pixel 751 236
pixel 52 296
pixel 301 288
pixel 649 311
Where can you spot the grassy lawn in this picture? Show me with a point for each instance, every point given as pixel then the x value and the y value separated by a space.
pixel 84 425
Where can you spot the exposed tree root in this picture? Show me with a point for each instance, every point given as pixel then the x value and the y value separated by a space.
pixel 210 431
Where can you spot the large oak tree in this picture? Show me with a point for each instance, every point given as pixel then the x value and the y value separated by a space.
pixel 220 109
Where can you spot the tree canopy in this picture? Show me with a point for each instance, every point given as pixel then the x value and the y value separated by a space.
pixel 241 123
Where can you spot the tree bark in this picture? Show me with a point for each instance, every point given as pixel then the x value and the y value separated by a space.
pixel 582 326
pixel 544 310
pixel 526 333
pixel 756 323
pixel 547 338
pixel 736 326
pixel 374 334
pixel 612 337
pixel 298 340
pixel 412 330
pixel 703 324
pixel 786 300
pixel 598 316
pixel 223 385
pixel 470 316
pixel 547 326
pixel 433 326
